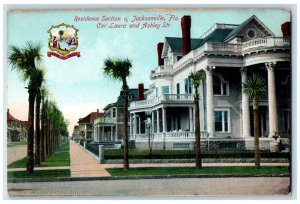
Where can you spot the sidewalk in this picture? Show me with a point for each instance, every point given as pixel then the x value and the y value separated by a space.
pixel 83 165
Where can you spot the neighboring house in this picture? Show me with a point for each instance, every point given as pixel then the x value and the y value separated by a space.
pixel 75 134
pixel 17 131
pixel 228 54
pixel 110 128
pixel 86 130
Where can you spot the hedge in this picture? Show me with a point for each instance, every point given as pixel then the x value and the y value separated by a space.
pixel 189 154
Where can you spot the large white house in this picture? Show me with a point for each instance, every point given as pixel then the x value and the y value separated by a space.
pixel 228 54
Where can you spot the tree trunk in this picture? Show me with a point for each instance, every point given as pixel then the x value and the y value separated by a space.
pixel 42 150
pixel 30 138
pixel 256 131
pixel 126 159
pixel 38 129
pixel 197 135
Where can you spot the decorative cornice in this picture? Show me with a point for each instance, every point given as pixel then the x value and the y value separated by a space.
pixel 270 65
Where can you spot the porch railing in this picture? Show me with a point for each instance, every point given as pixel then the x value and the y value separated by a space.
pixel 168 136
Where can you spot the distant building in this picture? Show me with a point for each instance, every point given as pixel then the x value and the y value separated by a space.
pixel 75 134
pixel 17 130
pixel 86 130
pixel 110 128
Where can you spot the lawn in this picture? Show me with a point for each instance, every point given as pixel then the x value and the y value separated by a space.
pixel 39 174
pixel 205 171
pixel 61 157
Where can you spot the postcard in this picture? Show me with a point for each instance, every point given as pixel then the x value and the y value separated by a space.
pixel 148 102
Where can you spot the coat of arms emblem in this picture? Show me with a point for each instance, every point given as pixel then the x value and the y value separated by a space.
pixel 63 41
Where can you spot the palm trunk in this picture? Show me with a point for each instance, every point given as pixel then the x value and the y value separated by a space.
pixel 197 135
pixel 126 159
pixel 42 150
pixel 38 129
pixel 30 139
pixel 256 131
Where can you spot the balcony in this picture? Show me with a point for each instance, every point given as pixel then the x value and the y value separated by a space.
pixel 165 98
pixel 265 43
pixel 162 70
pixel 105 120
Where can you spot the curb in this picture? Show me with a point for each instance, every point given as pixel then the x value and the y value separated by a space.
pixel 108 178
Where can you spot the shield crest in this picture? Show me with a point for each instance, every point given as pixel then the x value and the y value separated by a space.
pixel 63 39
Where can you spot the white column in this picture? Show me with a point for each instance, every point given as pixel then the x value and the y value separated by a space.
pixel 139 124
pixel 152 121
pixel 157 121
pixel 210 101
pixel 134 124
pixel 191 119
pixel 94 133
pixel 130 130
pixel 245 107
pixel 273 121
pixel 164 119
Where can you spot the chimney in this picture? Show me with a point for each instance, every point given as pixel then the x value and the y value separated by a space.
pixel 286 29
pixel 140 92
pixel 186 34
pixel 159 52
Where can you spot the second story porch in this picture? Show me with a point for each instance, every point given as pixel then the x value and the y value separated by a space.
pixel 164 98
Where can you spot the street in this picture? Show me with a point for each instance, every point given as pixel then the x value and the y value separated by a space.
pixel 156 187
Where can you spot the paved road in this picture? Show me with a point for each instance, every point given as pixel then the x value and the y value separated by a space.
pixel 16 152
pixel 155 187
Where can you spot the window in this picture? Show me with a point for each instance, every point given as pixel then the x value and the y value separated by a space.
pixel 222 121
pixel 165 89
pixel 156 91
pixel 220 86
pixel 114 112
pixel 188 86
pixel 286 121
pixel 251 33
pixel 178 88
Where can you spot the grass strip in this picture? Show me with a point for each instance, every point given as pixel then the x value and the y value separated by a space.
pixel 64 173
pixel 61 157
pixel 205 171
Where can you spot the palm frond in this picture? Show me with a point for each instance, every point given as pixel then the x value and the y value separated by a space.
pixel 197 77
pixel 254 85
pixel 117 68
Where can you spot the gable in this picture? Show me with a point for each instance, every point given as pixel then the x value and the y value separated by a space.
pixel 242 30
pixel 251 31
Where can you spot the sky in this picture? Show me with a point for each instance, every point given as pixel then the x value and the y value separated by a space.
pixel 77 84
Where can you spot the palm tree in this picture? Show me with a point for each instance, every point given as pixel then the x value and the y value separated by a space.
pixel 253 87
pixel 196 78
pixel 40 78
pixel 119 69
pixel 24 61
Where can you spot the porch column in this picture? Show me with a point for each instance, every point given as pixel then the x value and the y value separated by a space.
pixel 164 119
pixel 273 121
pixel 94 136
pixel 134 124
pixel 157 121
pixel 245 107
pixel 111 133
pixel 152 121
pixel 191 119
pixel 139 124
pixel 102 134
pixel 210 101
pixel 130 118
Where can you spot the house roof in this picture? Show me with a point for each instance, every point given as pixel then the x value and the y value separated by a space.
pixel 176 43
pixel 217 35
pixel 90 117
pixel 25 124
pixel 11 118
